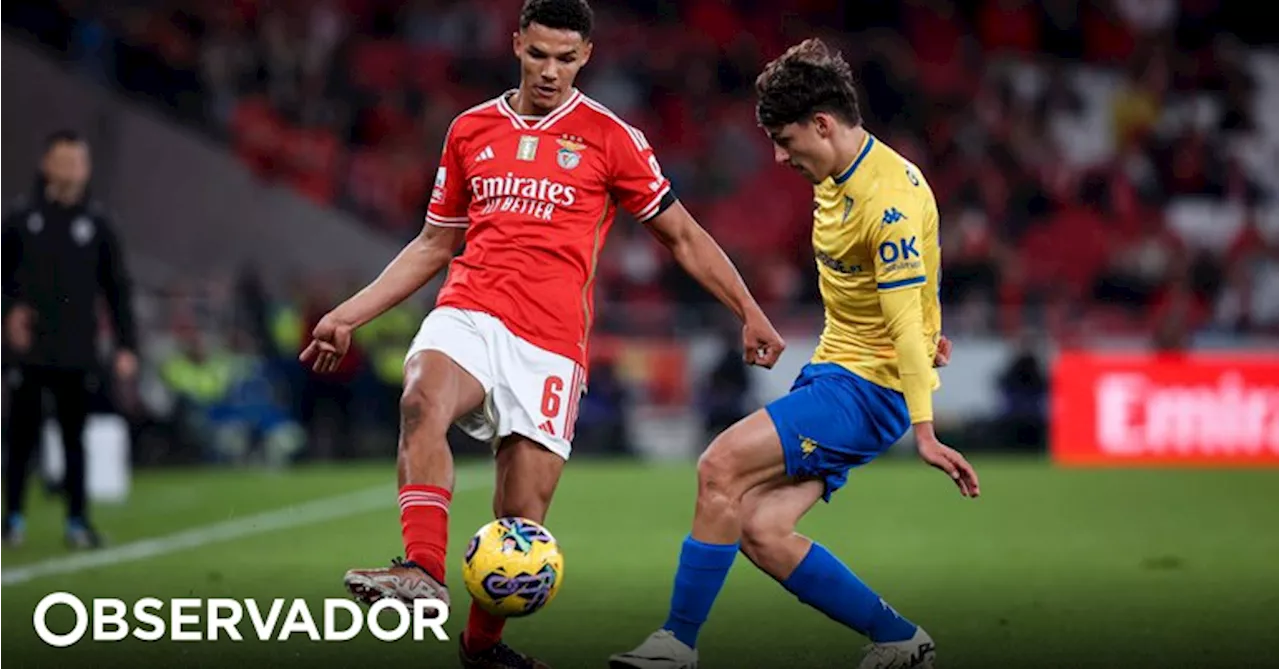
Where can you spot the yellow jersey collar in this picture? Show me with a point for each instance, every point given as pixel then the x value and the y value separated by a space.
pixel 866 148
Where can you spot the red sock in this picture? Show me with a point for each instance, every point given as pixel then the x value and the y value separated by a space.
pixel 424 524
pixel 484 630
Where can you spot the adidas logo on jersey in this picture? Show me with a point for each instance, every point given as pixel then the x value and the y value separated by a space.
pixel 548 428
pixel 486 154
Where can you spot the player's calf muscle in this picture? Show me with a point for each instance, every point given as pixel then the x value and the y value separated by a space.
pixel 522 503
pixel 769 538
pixel 527 475
pixel 774 549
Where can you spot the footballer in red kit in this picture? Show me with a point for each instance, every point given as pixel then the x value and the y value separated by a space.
pixel 537 198
pixel 531 182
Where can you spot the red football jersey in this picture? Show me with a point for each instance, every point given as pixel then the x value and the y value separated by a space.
pixel 537 196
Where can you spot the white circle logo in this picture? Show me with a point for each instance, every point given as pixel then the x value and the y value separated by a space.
pixel 60 640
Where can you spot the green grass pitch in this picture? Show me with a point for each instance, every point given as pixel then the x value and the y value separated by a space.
pixel 1051 567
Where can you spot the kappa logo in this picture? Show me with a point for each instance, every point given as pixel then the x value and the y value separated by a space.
pixel 891 216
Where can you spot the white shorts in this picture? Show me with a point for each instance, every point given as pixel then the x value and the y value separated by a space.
pixel 528 390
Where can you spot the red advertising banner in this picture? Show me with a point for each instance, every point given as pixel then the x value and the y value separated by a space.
pixel 1192 410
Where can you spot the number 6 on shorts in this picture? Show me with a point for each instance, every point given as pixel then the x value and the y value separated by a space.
pixel 551 396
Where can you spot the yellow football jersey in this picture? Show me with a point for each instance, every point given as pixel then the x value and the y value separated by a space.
pixel 875 229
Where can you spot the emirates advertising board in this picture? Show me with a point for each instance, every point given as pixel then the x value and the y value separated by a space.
pixel 1198 410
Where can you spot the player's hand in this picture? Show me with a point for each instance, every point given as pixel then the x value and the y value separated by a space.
pixel 943 356
pixel 17 327
pixel 950 462
pixel 761 344
pixel 329 343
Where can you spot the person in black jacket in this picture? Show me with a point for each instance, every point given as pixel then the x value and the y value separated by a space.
pixel 60 255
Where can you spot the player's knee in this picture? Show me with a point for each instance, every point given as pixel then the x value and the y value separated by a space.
pixel 717 476
pixel 424 410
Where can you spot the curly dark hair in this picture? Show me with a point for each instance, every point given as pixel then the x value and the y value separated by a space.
pixel 558 14
pixel 807 79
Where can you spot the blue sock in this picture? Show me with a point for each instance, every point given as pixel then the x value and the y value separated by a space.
pixel 822 581
pixel 703 568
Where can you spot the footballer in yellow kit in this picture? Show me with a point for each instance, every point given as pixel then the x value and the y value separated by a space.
pixel 870 381
pixel 872 376
pixel 875 231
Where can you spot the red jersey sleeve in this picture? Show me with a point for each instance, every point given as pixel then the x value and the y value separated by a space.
pixel 449 196
pixel 637 179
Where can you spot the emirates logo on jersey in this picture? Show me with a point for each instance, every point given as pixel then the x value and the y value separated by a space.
pixel 537 198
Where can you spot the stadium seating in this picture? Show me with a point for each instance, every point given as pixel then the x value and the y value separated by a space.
pixel 1065 136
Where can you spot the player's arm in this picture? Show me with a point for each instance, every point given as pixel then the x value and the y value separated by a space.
pixel 424 257
pixel 900 274
pixel 117 287
pixel 699 254
pixel 904 317
pixel 642 189
pixel 416 264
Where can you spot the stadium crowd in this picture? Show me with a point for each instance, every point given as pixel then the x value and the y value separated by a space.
pixel 1102 166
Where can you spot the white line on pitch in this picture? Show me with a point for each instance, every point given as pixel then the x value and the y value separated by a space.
pixel 310 513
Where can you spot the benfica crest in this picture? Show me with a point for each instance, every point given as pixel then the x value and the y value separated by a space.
pixel 570 153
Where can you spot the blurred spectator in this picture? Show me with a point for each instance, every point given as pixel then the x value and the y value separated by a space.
pixel 1148 17
pixel 1138 105
pixel 384 341
pixel 327 402
pixel 1024 389
pixel 1250 299
pixel 727 389
pixel 227 403
pixel 601 426
pixel 199 380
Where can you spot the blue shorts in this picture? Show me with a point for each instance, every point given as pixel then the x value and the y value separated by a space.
pixel 834 420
